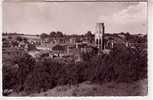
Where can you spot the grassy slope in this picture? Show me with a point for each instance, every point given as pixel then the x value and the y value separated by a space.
pixel 138 88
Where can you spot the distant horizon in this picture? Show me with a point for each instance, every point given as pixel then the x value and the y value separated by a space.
pixel 71 34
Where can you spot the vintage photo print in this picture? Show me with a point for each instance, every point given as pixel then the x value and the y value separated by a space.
pixel 74 48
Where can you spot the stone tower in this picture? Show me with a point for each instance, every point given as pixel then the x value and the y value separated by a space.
pixel 99 35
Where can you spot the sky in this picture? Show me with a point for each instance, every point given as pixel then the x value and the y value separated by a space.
pixel 74 17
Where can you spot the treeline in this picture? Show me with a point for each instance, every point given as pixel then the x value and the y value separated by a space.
pixel 59 34
pixel 18 42
pixel 121 65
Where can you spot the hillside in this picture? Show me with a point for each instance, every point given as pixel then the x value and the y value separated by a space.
pixel 138 88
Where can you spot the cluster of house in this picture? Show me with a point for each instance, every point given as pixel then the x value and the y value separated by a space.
pixel 62 47
pixel 71 46
pixel 68 48
pixel 16 41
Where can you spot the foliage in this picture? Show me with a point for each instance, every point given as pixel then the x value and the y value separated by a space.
pixel 87 56
pixel 5 43
pixel 130 64
pixel 18 38
pixel 52 34
pixel 16 70
pixel 44 76
pixel 43 35
pixel 90 36
pixel 59 34
pixel 31 46
pixel 56 34
pixel 14 43
pixel 25 40
pixel 9 76
pixel 9 37
pixel 122 64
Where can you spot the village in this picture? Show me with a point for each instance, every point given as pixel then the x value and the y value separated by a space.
pixel 75 48
pixel 69 47
pixel 60 59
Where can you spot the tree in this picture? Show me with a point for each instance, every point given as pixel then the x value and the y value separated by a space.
pixel 43 36
pixel 89 36
pixel 56 34
pixel 18 38
pixel 14 43
pixel 9 37
pixel 127 36
pixel 122 33
pixel 5 43
pixel 26 64
pixel 59 34
pixel 25 40
pixel 144 38
pixel 52 34
pixel 9 76
pixel 45 75
pixel 31 46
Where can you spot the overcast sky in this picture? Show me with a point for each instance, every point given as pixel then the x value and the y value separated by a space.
pixel 74 17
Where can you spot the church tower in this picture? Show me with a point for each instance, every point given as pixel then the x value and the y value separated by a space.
pixel 99 35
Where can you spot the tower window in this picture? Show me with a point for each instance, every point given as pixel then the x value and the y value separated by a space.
pixel 100 41
pixel 97 41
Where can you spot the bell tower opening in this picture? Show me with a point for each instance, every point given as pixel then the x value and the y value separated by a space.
pixel 99 35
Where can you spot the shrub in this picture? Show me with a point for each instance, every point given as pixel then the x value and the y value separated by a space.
pixel 9 77
pixel 122 64
pixel 129 64
pixel 25 63
pixel 46 74
pixel 38 80
pixel 15 70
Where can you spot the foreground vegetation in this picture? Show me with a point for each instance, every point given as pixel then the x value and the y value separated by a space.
pixel 121 65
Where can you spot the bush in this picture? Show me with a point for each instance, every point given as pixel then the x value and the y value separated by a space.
pixel 37 80
pixel 15 70
pixel 25 63
pixel 45 75
pixel 9 77
pixel 129 64
pixel 122 64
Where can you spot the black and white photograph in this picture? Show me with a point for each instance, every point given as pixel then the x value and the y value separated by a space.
pixel 70 48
